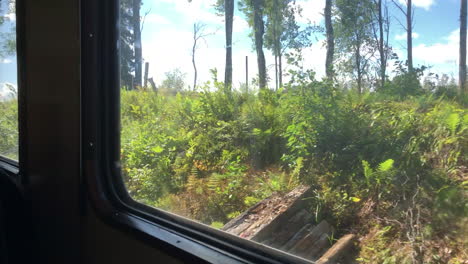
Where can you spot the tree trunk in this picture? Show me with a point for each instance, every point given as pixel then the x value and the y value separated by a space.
pixel 409 34
pixel 194 48
pixel 462 66
pixel 229 17
pixel 259 29
pixel 330 40
pixel 276 72
pixel 247 73
pixel 153 85
pixel 358 67
pixel 146 74
pixel 280 70
pixel 383 60
pixel 137 42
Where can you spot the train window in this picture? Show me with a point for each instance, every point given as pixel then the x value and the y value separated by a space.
pixel 8 81
pixel 304 127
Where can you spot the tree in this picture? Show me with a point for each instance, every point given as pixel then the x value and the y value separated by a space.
pixel 137 42
pixel 131 61
pixel 462 63
pixel 254 11
pixel 354 37
pixel 174 80
pixel 381 30
pixel 198 34
pixel 127 59
pixel 330 39
pixel 226 8
pixel 229 17
pixel 7 38
pixel 259 30
pixel 282 32
pixel 409 15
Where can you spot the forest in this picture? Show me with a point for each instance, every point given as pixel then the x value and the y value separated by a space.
pixel 382 142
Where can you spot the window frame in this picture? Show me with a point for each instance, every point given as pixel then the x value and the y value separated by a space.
pixel 101 159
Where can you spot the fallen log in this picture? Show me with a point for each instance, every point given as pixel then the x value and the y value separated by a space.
pixel 338 250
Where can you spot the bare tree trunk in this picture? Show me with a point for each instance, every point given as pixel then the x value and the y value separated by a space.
pixel 330 40
pixel 259 29
pixel 247 73
pixel 276 72
pixel 137 42
pixel 146 74
pixel 383 60
pixel 409 34
pixel 358 67
pixel 280 70
pixel 153 85
pixel 229 17
pixel 194 48
pixel 462 66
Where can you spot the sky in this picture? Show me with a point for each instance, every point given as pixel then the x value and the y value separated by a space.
pixel 167 39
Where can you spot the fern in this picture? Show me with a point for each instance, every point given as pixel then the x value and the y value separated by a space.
pixel 386 165
pixel 367 170
pixel 452 122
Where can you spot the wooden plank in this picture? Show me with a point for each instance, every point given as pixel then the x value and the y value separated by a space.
pixel 303 246
pixel 318 248
pixel 290 228
pixel 298 236
pixel 338 250
pixel 266 217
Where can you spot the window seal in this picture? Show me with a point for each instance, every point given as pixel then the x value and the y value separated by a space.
pixel 101 158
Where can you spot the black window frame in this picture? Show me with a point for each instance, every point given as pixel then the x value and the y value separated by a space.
pixel 101 159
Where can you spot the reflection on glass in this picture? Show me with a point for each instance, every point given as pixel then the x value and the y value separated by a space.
pixel 8 81
pixel 331 130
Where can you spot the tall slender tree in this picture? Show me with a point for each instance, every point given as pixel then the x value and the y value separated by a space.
pixel 254 11
pixel 354 37
pixel 229 21
pixel 127 57
pixel 282 32
pixel 330 39
pixel 408 12
pixel 381 30
pixel 259 31
pixel 137 42
pixel 462 61
pixel 199 33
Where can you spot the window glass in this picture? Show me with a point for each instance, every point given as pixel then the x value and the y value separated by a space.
pixel 8 81
pixel 316 127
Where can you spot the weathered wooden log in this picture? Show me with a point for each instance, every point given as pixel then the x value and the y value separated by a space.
pixel 318 248
pixel 338 250
pixel 303 246
pixel 289 229
pixel 298 236
pixel 268 216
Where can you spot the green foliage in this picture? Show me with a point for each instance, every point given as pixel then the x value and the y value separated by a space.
pixel 210 155
pixel 9 129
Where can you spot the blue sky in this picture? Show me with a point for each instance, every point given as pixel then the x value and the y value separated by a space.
pixel 167 39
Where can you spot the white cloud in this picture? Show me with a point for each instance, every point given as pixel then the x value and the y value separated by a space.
pixel 6 61
pixel 240 25
pixel 11 17
pixel 312 10
pixel 439 53
pixel 157 19
pixel 425 4
pixel 402 36
pixel 7 91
